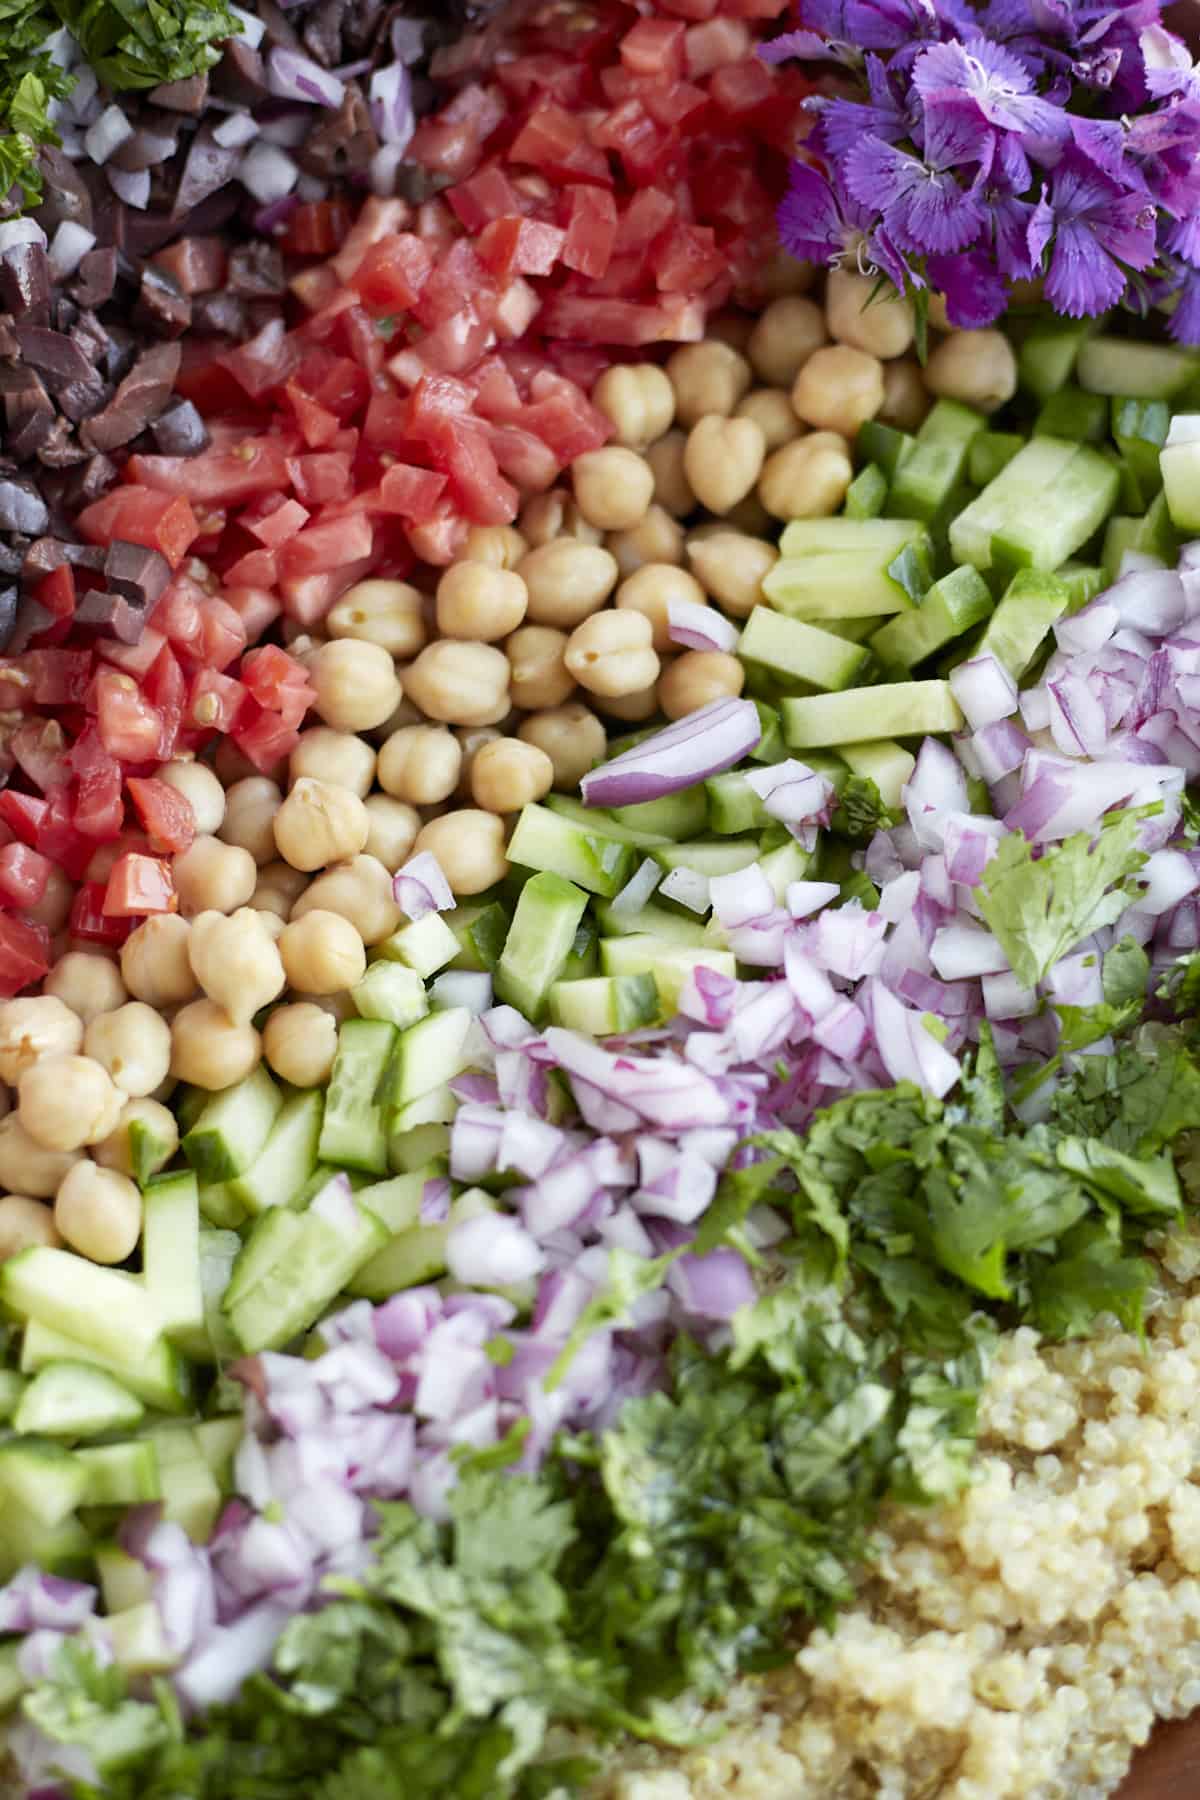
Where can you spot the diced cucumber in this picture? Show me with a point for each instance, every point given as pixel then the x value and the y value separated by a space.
pixel 220 1205
pixel 217 1441
pixel 800 652
pixel 770 747
pixel 99 1306
pixel 905 709
pixel 881 444
pixel 709 856
pixel 1030 605
pixel 352 1128
pixel 425 1057
pixel 289 1156
pixel 836 584
pixel 411 1150
pixel 887 764
pixel 397 1201
pixel 540 940
pixel 990 452
pixel 651 921
pixel 268 1241
pixel 390 991
pixel 138 1641
pixel 678 815
pixel 159 1376
pixel 12 1682
pixel 786 863
pixel 594 819
pixel 952 605
pixel 669 964
pixel 1125 366
pixel 1179 461
pixel 877 539
pixel 191 1496
pixel 41 1477
pixel 931 469
pixel 481 931
pixel 734 806
pixel 438 1107
pixel 584 954
pixel 605 1004
pixel 291 1293
pixel 866 494
pixel 544 840
pixel 417 1255
pixel 1048 354
pixel 70 1400
pixel 1011 522
pixel 187 1103
pixel 12 1386
pixel 1083 581
pixel 25 1537
pixel 426 945
pixel 124 1580
pixel 1139 428
pixel 171 1251
pixel 233 1127
pixel 120 1474
pixel 1073 414
pixel 150 1148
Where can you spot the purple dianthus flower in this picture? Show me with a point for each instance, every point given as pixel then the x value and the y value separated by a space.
pixel 994 84
pixel 1097 232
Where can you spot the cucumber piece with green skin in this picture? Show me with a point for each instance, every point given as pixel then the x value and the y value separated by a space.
pixel 217 1441
pixel 867 493
pixel 233 1127
pixel 411 1150
pixel 544 840
pixel 124 1580
pixel 397 1201
pixel 1032 603
pixel 1011 522
pixel 418 1255
pixel 41 1477
pixel 669 964
pixel 1179 461
pixel 270 1239
pixel 876 540
pixel 99 1306
pixel 679 815
pixel 73 1400
pixel 835 584
pixel 171 1251
pixel 951 607
pixel 1139 430
pixel 887 764
pixel 990 452
pixel 929 471
pixel 881 444
pixel 25 1537
pixel 652 921
pixel 540 940
pixel 605 1004
pixel 905 709
pixel 1073 414
pixel 150 1149
pixel 438 1107
pixel 187 1103
pixel 801 652
pixel 709 856
pixel 290 1294
pixel 390 991
pixel 734 806
pixel 12 1682
pixel 1125 367
pixel 120 1474
pixel 584 952
pixel 1083 581
pixel 353 1133
pixel 1048 354
pixel 138 1642
pixel 191 1495
pixel 289 1156
pixel 213 1341
pixel 426 945
pixel 220 1206
pixel 481 931
pixel 770 746
pixel 601 823
pixel 424 1058
pixel 12 1386
pixel 783 864
pixel 160 1377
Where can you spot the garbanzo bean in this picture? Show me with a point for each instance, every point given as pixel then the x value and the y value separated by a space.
pixel 538 673
pixel 906 399
pixel 469 846
pixel 157 1125
pixel 300 1043
pixel 210 874
pixel 773 413
pixel 392 827
pixel 86 982
pixel 631 709
pixel 420 764
pixel 567 580
pixel 209 1049
pixel 509 774
pixel 697 678
pixel 340 757
pixel 838 389
pixel 651 592
pixel 671 489
pixel 572 737
pixel 707 378
pixel 479 602
pixel 976 367
pixel 356 684
pixel 471 743
pixel 65 1102
pixel 27 1167
pixel 53 908
pixel 155 962
pixel 35 1026
pixel 785 274
pixel 249 822
pixel 658 538
pixel 99 1213
pixel 200 788
pixel 359 890
pixel 807 479
pixel 236 961
pixel 612 653
pixel 613 487
pixel 500 545
pixel 322 954
pixel 784 338
pixel 639 401
pixel 546 517
pixel 25 1222
pixel 390 614
pixel 319 824
pixel 731 566
pixel 723 460
pixel 857 314
pixel 460 683
pixel 133 1044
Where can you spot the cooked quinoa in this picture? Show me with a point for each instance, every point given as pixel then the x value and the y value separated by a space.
pixel 1020 1643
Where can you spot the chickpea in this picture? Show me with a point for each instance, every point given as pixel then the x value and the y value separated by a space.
pixel 360 890
pixel 158 1121
pixel 807 479
pixel 839 389
pixel 651 592
pixel 537 663
pixel 339 757
pixel 387 614
pixel 638 400
pixel 671 489
pixel 723 460
pixel 319 824
pixel 567 580
pixel 732 566
pixel 696 679
pixel 392 828
pixel 99 1213
pixel 785 274
pixel 659 538
pixel 250 808
pixel 784 338
pixel 471 743
pixel 905 396
pixel 881 324
pixel 200 788
pixel 236 961
pixel 632 709
pixel 613 487
pixel 212 874
pixel 279 887
pixel 612 653
pixel 707 378
pixel 509 774
pixel 27 1167
pixel 338 1007
pixel 420 764
pixel 299 1043
pixel 133 1044
pixel 322 954
pixel 572 737
pixel 976 367
pixel 730 327
pixel 938 315
pixel 469 846
pixel 501 546
pixel 34 1027
pixel 773 413
pixel 155 963
pixel 356 683
pixel 271 922
pixel 554 515
pixel 750 516
pixel 25 1222
pixel 461 683
pixel 86 983
pixel 65 1102
pixel 476 601
pixel 407 713
pixel 209 1049
pixel 53 909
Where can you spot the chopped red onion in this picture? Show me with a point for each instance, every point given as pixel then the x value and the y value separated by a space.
pixel 705 743
pixel 688 888
pixel 392 105
pixel 420 887
pixel 985 691
pixel 252 30
pixel 268 173
pixel 289 129
pixel 408 38
pixel 907 1048
pixel 937 786
pixel 742 897
pixel 383 169
pixel 1005 998
pixel 492 1251
pixel 295 77
pixel 14 232
pixel 133 187
pixel 1164 880
pixel 699 627
pixel 234 131
pixel 68 247
pixel 807 897
pixel 110 130
pixel 638 889
pixel 231 1655
pixel 1000 749
pixel 468 988
pixel 962 951
pixel 793 793
pixel 714 1286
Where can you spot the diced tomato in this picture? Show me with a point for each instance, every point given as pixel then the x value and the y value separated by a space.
pixel 326 545
pixel 528 78
pixel 555 141
pixel 740 88
pixel 133 659
pixel 689 259
pixel 58 837
pixel 56 591
pixel 412 493
pixel 393 274
pixel 264 361
pixel 270 674
pixel 90 923
pixel 307 598
pixel 214 478
pixel 264 737
pixel 321 480
pixel 166 690
pixel 23 875
pixel 256 607
pixel 485 197
pixel 24 953
pixel 166 815
pixel 625 323
pixel 525 459
pixel 591 220
pixel 316 228
pixel 162 521
pixel 139 885
pixel 195 264
pixel 214 701
pixel 342 389
pixel 713 44
pixel 457 343
pixel 56 677
pixel 519 246
pixel 130 727
pixel 690 9
pixel 22 814
pixel 497 395
pixel 99 807
pixel 565 419
pixel 318 425
pixel 680 104
pixel 654 47
pixel 256 569
pixel 440 539
pixel 37 748
pixel 447 146
pixel 282 523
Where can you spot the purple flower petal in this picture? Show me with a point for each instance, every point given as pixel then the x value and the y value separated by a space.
pixel 976 294
pixel 1083 279
pixel 925 208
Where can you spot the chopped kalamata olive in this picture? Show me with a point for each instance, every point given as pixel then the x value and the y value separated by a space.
pixel 208 167
pixel 161 305
pixel 257 272
pixel 31 618
pixel 60 449
pixel 115 615
pixel 46 554
pixel 21 506
pixel 9 600
pixel 97 278
pixel 189 96
pixel 323 32
pixel 344 141
pixel 89 336
pixel 180 431
pixel 138 400
pixel 136 573
pixel 240 76
pixel 144 150
pixel 28 414
pixel 25 283
pixel 65 193
pixel 195 264
pixel 279 29
pixel 53 354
